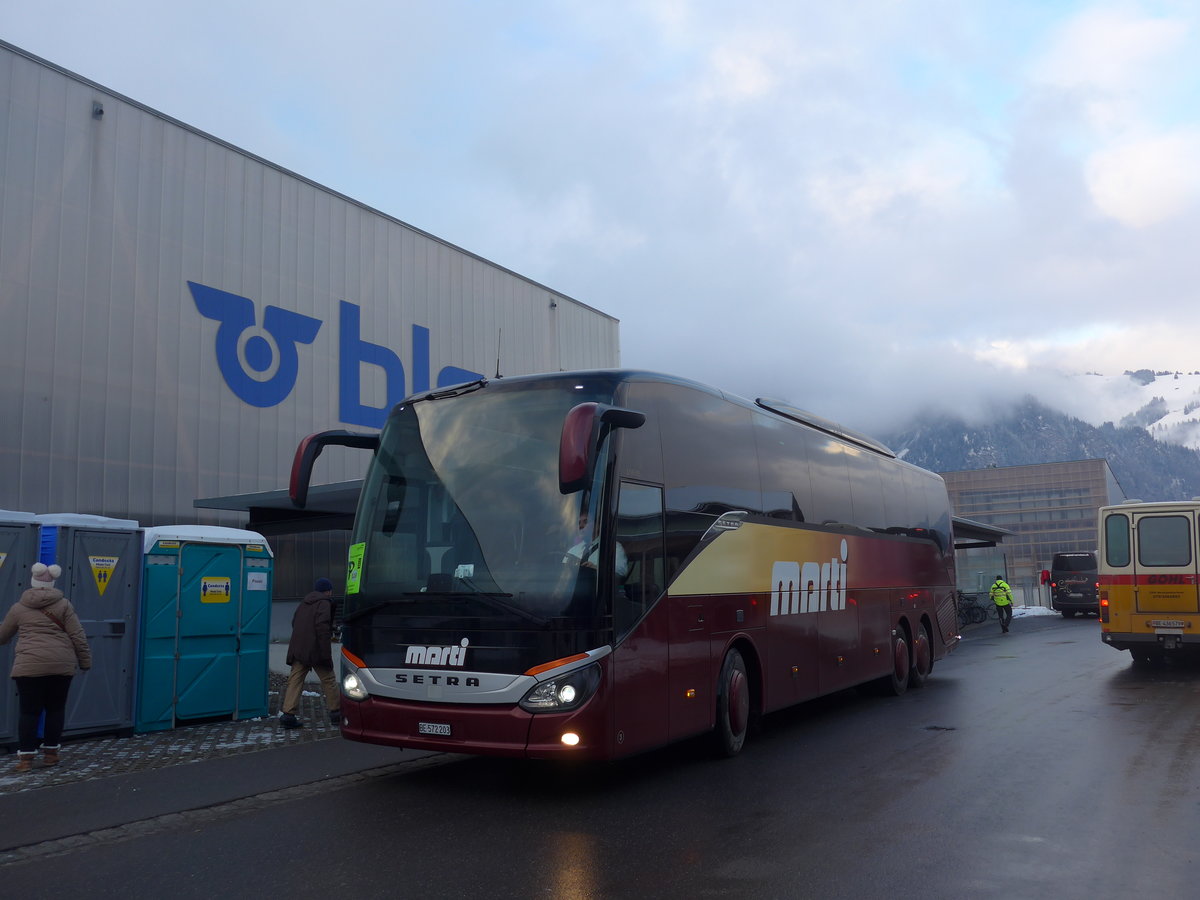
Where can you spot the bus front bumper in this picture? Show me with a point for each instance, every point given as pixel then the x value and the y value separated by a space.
pixel 487 730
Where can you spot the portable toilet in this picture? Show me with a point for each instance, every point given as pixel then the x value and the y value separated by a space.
pixel 205 633
pixel 101 559
pixel 18 551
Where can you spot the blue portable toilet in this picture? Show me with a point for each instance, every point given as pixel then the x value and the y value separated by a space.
pixel 205 626
pixel 18 551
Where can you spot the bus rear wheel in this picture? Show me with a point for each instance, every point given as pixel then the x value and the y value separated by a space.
pixel 733 704
pixel 922 658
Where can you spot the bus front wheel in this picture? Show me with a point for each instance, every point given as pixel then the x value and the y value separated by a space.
pixel 733 704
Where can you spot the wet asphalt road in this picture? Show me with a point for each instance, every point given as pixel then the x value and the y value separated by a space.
pixel 1036 764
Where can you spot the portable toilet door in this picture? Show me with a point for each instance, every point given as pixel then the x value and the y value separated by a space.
pixel 206 610
pixel 101 559
pixel 18 551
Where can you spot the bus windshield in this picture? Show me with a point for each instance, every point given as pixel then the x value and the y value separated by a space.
pixel 461 514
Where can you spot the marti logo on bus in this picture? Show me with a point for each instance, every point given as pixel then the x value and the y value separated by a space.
pixel 455 655
pixel 260 363
pixel 810 587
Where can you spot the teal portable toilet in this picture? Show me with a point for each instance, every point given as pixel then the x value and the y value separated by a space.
pixel 18 552
pixel 101 560
pixel 205 626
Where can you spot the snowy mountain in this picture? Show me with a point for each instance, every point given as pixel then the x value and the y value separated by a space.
pixel 1031 432
pixel 1165 403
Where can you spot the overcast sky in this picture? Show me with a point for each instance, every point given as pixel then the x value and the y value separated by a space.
pixel 860 207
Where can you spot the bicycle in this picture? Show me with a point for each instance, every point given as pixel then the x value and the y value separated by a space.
pixel 970 611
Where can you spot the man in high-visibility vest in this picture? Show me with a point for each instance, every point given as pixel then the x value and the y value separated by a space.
pixel 1002 597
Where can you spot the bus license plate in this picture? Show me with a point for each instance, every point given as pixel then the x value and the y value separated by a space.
pixel 439 728
pixel 1166 623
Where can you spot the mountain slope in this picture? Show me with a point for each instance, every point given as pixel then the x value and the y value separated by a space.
pixel 1163 402
pixel 1034 433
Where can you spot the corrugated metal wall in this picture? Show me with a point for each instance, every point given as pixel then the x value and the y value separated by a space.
pixel 113 401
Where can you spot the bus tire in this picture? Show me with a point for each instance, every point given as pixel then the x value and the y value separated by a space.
pixel 733 704
pixel 922 658
pixel 895 683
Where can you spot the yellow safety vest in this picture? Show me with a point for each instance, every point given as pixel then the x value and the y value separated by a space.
pixel 1001 594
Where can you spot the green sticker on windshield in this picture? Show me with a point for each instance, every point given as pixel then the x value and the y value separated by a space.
pixel 354 567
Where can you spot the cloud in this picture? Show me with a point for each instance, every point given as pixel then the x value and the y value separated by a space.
pixel 1123 68
pixel 866 210
pixel 1108 47
pixel 1147 181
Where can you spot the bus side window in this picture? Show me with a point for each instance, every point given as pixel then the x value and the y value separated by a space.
pixel 639 530
pixel 1116 540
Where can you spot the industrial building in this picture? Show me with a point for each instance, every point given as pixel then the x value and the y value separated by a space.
pixel 179 314
pixel 1048 508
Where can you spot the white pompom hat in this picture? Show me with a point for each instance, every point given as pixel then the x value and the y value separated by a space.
pixel 43 576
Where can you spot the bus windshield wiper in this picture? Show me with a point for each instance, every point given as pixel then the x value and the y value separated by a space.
pixel 406 597
pixel 454 390
pixel 497 600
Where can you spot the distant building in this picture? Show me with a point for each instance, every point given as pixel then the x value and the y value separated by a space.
pixel 1049 508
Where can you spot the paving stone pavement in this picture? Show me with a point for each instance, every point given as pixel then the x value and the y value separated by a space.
pixel 106 755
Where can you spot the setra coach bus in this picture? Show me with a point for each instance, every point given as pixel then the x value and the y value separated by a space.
pixel 593 564
pixel 1149 569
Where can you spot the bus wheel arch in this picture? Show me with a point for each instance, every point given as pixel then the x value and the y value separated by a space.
pixel 922 655
pixel 736 697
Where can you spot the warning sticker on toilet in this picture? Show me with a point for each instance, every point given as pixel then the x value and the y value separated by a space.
pixel 102 569
pixel 215 590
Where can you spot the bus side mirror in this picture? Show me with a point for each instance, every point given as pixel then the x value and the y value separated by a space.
pixel 1045 576
pixel 308 451
pixel 581 438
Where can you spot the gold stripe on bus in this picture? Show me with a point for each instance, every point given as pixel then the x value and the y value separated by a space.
pixel 740 561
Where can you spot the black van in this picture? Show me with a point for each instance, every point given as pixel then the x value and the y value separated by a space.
pixel 1073 583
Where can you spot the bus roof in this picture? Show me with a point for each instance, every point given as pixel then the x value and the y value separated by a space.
pixel 1150 505
pixel 781 408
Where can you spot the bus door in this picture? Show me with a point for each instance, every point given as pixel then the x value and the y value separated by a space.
pixel 1165 574
pixel 640 634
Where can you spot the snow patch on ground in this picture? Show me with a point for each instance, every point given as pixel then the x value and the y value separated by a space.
pixel 1019 611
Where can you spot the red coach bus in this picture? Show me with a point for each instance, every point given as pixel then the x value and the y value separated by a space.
pixel 593 564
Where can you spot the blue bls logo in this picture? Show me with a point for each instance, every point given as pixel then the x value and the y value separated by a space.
pixel 260 364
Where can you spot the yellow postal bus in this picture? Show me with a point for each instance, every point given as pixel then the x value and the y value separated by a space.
pixel 1149 598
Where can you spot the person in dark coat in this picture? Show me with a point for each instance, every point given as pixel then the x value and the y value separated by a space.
pixel 311 650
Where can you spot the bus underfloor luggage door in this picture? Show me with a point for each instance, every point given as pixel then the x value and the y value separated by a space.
pixel 1165 574
pixel 209 603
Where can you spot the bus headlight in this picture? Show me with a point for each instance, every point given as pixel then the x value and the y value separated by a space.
pixel 563 693
pixel 352 686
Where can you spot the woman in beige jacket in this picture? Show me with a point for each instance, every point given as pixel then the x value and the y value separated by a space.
pixel 50 643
